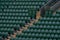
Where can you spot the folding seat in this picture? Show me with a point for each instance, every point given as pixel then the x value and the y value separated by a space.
pixel 14 14
pixel 26 31
pixel 19 13
pixel 21 39
pixel 48 12
pixel 0 38
pixel 14 39
pixel 32 11
pixel 8 26
pixel 21 24
pixel 18 35
pixel 4 34
pixel 9 30
pixel 6 29
pixel 37 27
pixel 3 29
pixel 17 28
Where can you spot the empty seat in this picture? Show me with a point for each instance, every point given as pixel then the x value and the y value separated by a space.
pixel 4 34
pixel 14 14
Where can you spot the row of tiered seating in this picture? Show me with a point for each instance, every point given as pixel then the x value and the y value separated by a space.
pixel 47 28
pixel 14 14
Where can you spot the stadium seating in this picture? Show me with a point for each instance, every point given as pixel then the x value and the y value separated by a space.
pixel 47 28
pixel 14 14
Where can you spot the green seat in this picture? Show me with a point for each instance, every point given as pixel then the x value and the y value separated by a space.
pixel 9 30
pixel 4 34
pixel 8 25
pixel 15 14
